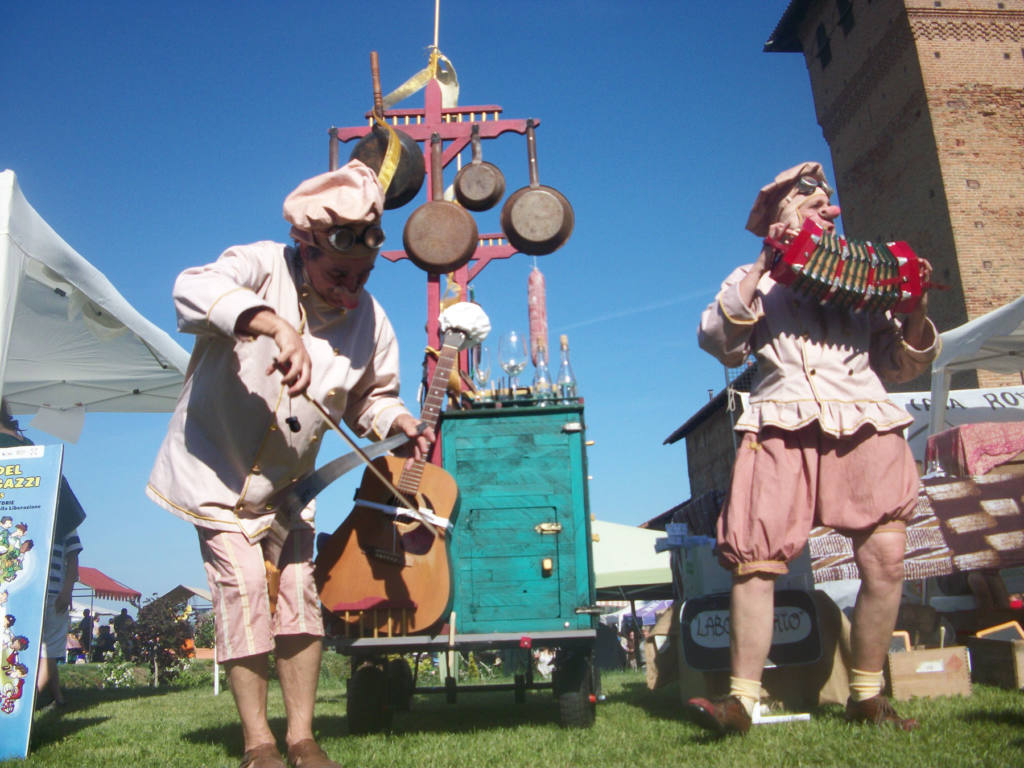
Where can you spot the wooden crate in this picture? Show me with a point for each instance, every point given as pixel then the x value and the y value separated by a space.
pixel 930 672
pixel 997 662
pixel 521 548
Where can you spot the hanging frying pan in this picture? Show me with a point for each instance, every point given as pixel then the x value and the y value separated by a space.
pixel 536 219
pixel 393 155
pixel 479 186
pixel 440 236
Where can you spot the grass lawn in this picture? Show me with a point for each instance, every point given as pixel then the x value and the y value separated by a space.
pixel 635 727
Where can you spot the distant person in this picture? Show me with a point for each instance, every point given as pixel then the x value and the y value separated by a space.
pixel 62 575
pixel 822 444
pixel 85 633
pixel 124 629
pixel 273 322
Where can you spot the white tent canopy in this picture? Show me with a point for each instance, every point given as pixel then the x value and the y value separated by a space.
pixel 69 342
pixel 992 342
pixel 626 565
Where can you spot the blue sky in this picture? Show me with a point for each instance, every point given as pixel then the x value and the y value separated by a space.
pixel 153 136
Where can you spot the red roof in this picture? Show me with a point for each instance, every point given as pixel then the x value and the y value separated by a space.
pixel 105 587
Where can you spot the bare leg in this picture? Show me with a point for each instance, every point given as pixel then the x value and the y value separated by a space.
pixel 49 678
pixel 752 615
pixel 879 557
pixel 298 667
pixel 248 680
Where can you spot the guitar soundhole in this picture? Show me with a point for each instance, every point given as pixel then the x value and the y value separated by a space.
pixel 417 540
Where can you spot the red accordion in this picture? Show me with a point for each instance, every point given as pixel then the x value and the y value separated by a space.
pixel 848 273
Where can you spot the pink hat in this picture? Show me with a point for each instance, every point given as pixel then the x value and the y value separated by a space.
pixel 799 181
pixel 349 195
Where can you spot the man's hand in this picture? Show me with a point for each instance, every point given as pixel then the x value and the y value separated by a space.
pixel 421 437
pixel 292 359
pixel 916 330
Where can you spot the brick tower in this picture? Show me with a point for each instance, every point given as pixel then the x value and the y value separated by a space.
pixel 922 105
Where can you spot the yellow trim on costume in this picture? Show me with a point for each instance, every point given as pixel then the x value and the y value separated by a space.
pixel 226 293
pixel 373 424
pixel 732 319
pixel 243 595
pixel 761 566
pixel 183 510
pixel 259 452
pixel 299 582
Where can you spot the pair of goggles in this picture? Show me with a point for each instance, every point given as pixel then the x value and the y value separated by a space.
pixel 345 238
pixel 807 184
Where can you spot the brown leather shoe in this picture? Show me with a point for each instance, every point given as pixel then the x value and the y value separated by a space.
pixel 721 716
pixel 262 756
pixel 878 711
pixel 307 754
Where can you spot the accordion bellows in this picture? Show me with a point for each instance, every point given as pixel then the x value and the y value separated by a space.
pixel 852 274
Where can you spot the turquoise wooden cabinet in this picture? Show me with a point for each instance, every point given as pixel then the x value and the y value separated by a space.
pixel 521 548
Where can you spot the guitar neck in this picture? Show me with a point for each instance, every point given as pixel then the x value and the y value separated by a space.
pixel 410 480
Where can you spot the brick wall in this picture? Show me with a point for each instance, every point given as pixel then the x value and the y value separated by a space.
pixel 920 103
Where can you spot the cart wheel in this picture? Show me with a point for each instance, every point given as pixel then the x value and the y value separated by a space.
pixel 449 689
pixel 520 689
pixel 577 697
pixel 367 706
pixel 400 686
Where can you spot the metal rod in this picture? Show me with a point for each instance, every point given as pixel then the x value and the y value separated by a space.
pixel 369 463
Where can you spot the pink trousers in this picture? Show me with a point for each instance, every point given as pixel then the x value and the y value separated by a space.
pixel 241 602
pixel 786 482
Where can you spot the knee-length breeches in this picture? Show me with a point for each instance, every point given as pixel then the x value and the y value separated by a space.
pixel 785 482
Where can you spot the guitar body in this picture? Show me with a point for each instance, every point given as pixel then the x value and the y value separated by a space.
pixel 381 575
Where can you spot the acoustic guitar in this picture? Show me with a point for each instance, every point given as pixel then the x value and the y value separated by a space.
pixel 385 571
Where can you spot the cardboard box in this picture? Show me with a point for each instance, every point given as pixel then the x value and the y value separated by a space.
pixel 930 672
pixel 997 662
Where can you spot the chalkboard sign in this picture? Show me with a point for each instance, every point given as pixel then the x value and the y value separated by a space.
pixel 796 638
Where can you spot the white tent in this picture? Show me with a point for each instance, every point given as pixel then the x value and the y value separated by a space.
pixel 992 342
pixel 626 566
pixel 69 342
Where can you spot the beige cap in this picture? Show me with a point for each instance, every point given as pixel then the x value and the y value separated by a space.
pixel 349 195
pixel 773 199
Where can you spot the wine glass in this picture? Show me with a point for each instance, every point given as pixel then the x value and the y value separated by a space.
pixel 482 373
pixel 512 357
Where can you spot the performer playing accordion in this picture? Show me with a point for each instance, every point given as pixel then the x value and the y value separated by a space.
pixel 822 444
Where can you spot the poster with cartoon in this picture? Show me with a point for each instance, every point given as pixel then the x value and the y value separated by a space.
pixel 29 484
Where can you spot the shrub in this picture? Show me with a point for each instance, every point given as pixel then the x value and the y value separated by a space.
pixel 205 631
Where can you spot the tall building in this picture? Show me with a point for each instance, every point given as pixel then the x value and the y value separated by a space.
pixel 922 105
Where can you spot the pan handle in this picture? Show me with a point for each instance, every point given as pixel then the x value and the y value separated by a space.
pixel 478 155
pixel 531 153
pixel 378 101
pixel 436 182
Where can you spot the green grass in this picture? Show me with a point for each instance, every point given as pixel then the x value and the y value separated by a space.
pixel 635 727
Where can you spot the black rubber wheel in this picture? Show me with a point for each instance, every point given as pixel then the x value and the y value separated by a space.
pixel 400 685
pixel 576 690
pixel 367 701
pixel 449 689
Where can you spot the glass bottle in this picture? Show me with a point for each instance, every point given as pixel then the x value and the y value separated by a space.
pixel 566 381
pixel 543 389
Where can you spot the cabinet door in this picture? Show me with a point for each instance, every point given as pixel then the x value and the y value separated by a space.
pixel 501 569
pixel 521 516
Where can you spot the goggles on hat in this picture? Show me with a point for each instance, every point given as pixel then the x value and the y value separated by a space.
pixel 807 184
pixel 345 238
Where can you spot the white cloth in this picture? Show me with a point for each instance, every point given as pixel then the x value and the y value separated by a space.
pixel 228 447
